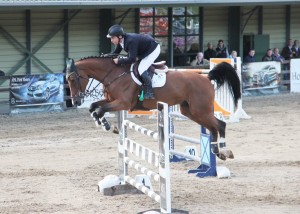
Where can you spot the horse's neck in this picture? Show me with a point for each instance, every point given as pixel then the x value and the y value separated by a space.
pixel 96 69
pixel 104 70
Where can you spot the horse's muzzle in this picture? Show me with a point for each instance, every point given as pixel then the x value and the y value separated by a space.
pixel 78 100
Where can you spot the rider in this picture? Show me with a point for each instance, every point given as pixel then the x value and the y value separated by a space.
pixel 139 47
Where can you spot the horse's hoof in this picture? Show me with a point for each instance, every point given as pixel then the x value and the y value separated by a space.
pixel 115 130
pixel 227 153
pixel 221 156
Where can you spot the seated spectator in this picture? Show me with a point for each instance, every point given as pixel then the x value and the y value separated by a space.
pixel 233 56
pixel 192 52
pixel 210 52
pixel 296 49
pixel 199 60
pixel 277 57
pixel 268 56
pixel 250 57
pixel 221 50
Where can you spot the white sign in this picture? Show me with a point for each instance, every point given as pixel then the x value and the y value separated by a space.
pixel 96 93
pixel 295 75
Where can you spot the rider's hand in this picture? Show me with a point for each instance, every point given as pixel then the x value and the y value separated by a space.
pixel 116 60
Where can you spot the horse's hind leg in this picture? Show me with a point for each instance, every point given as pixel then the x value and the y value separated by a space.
pixel 222 144
pixel 214 125
pixel 217 126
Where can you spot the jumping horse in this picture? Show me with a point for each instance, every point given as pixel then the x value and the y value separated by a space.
pixel 192 91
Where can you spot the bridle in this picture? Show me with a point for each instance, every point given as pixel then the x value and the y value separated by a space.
pixel 81 94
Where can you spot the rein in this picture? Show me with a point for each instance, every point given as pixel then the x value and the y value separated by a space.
pixel 90 93
pixel 110 82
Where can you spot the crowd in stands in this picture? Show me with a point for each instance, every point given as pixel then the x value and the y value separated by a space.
pixel 196 57
pixel 290 51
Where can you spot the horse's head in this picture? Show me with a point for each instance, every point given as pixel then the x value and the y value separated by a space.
pixel 77 81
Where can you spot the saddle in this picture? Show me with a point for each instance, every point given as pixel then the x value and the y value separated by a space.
pixel 155 68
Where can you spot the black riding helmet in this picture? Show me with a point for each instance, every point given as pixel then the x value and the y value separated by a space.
pixel 115 30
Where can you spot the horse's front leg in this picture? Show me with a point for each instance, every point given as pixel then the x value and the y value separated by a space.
pixel 116 105
pixel 93 112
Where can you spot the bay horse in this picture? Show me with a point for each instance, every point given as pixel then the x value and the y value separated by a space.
pixel 192 91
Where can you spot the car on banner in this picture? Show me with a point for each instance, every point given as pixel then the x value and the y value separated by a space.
pixel 266 76
pixel 43 88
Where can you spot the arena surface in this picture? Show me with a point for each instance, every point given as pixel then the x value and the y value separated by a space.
pixel 52 162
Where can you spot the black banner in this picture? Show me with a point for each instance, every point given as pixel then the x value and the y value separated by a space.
pixel 30 93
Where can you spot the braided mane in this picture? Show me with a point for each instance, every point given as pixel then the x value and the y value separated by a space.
pixel 100 56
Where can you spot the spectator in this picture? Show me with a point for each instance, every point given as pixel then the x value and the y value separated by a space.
pixel 199 60
pixel 250 57
pixel 268 56
pixel 277 57
pixel 221 50
pixel 210 52
pixel 233 56
pixel 178 60
pixel 287 51
pixel 296 49
pixel 192 52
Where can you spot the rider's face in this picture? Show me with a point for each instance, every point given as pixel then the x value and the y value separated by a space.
pixel 115 40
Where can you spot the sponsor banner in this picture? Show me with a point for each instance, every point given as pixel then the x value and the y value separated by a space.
pixel 260 78
pixel 295 75
pixel 32 93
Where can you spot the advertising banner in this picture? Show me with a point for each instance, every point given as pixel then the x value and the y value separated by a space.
pixel 295 75
pixel 32 93
pixel 260 78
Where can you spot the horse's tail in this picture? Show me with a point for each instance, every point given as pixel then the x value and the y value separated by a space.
pixel 224 72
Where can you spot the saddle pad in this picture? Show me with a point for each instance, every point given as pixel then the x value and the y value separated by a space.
pixel 158 80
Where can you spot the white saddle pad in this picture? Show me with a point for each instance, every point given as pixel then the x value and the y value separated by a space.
pixel 158 80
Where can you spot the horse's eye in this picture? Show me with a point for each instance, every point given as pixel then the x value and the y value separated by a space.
pixel 71 79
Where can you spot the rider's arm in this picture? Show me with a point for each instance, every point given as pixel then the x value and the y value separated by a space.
pixel 118 49
pixel 132 52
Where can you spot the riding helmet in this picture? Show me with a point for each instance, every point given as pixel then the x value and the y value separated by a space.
pixel 115 30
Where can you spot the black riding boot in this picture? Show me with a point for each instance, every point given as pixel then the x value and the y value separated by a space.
pixel 148 85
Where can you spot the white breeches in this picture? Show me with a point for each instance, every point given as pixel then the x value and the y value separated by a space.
pixel 148 60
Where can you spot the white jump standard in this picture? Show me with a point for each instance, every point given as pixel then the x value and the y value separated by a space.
pixel 160 160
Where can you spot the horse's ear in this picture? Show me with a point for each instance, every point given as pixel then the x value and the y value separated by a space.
pixel 69 65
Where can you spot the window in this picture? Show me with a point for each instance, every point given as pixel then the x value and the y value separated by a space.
pixel 154 21
pixel 185 29
pixel 186 32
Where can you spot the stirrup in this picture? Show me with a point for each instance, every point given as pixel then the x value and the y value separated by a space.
pixel 149 95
